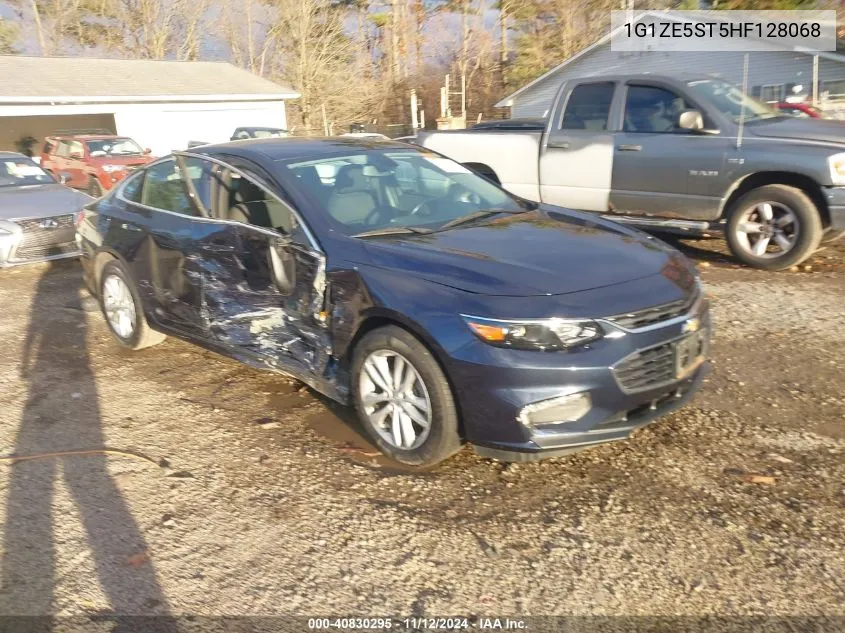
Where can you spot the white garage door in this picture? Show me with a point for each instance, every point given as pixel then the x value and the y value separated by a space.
pixel 167 128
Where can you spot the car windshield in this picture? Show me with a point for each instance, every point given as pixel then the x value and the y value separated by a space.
pixel 22 172
pixel 394 191
pixel 730 100
pixel 113 147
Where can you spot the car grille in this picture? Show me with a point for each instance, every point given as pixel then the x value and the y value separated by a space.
pixel 39 242
pixel 656 314
pixel 647 368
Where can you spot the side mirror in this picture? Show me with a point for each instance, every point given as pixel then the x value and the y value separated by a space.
pixel 691 120
pixel 64 178
pixel 148 151
pixel 283 268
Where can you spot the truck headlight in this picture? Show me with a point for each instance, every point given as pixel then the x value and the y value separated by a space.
pixel 110 169
pixel 837 169
pixel 544 334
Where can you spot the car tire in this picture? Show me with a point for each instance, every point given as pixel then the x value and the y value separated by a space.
pixel 832 235
pixel 784 218
pixel 122 308
pixel 95 190
pixel 417 391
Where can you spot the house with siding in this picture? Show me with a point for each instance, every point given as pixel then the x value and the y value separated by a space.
pixel 772 73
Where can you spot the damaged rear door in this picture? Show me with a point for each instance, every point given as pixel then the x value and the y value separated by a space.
pixel 258 275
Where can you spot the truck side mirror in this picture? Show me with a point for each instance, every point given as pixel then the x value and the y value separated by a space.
pixel 64 178
pixel 691 120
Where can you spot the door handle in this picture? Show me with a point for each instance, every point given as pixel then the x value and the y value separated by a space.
pixel 129 227
pixel 629 148
pixel 558 144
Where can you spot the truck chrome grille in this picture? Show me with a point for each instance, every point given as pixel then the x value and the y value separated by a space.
pixel 647 368
pixel 656 314
pixel 45 237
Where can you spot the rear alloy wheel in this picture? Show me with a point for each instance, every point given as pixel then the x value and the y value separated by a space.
pixel 122 309
pixel 774 227
pixel 95 190
pixel 403 398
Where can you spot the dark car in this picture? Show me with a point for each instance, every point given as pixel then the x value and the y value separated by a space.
pixel 36 213
pixel 446 309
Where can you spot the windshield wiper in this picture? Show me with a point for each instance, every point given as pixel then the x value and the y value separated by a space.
pixel 394 230
pixel 472 217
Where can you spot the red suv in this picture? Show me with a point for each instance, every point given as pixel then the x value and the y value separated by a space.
pixel 93 162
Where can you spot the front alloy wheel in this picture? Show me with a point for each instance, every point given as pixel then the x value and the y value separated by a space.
pixel 768 230
pixel 395 399
pixel 774 227
pixel 403 398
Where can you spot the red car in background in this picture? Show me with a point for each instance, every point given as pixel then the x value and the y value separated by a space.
pixel 92 162
pixel 803 111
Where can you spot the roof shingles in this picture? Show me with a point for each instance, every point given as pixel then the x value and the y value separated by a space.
pixel 62 77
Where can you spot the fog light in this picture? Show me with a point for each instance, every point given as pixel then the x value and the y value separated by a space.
pixel 556 410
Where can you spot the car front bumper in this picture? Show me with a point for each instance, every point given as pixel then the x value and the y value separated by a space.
pixel 494 386
pixel 836 207
pixel 32 240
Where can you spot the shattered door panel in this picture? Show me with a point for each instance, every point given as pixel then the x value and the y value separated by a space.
pixel 244 307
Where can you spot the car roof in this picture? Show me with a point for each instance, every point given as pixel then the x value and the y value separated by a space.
pixel 13 155
pixel 291 148
pixel 86 137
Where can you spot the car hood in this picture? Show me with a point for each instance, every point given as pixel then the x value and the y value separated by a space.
pixel 531 254
pixel 803 129
pixel 39 201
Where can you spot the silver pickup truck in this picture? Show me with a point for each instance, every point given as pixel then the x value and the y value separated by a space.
pixel 694 155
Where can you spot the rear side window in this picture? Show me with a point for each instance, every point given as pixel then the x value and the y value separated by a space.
pixel 164 188
pixel 588 107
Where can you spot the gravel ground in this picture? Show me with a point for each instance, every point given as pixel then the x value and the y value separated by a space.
pixel 259 497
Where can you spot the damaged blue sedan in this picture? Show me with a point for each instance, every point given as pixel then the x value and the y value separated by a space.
pixel 446 310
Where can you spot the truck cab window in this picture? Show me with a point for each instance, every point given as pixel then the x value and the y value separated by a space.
pixel 588 107
pixel 652 109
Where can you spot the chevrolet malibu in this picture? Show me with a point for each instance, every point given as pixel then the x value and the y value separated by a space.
pixel 447 310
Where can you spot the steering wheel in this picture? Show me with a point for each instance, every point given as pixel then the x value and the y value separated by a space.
pixel 417 210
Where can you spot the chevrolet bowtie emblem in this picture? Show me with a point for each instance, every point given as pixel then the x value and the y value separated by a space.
pixel 49 223
pixel 691 325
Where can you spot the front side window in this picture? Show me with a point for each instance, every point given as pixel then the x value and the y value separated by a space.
pixel 378 189
pixel 22 172
pixel 131 188
pixel 652 109
pixel 731 101
pixel 113 147
pixel 164 188
pixel 63 149
pixel 588 107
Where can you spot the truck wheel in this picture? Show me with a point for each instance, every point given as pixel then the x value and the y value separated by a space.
pixel 403 398
pixel 95 190
pixel 832 235
pixel 773 227
pixel 123 310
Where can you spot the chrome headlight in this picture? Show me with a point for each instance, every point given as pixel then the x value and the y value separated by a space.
pixel 837 169
pixel 109 169
pixel 543 334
